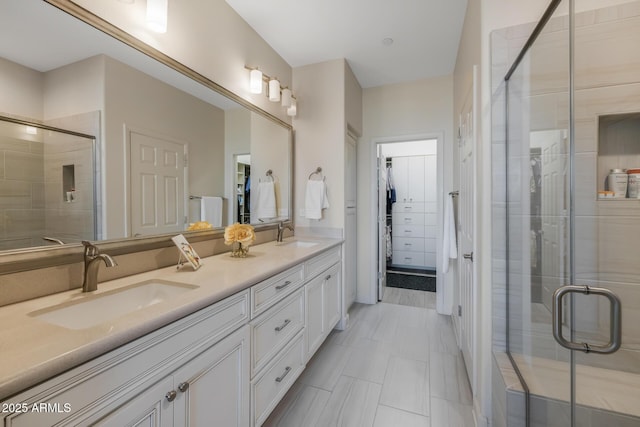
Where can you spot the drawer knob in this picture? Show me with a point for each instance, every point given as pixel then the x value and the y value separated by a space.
pixel 284 374
pixel 284 285
pixel 171 395
pixel 328 277
pixel 284 325
pixel 183 386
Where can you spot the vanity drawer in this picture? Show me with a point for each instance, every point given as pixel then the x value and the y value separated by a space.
pixel 317 265
pixel 269 292
pixel 272 330
pixel 277 378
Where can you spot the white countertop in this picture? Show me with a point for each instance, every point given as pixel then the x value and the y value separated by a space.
pixel 32 351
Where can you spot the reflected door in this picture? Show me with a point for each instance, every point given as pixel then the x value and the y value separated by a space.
pixel 157 185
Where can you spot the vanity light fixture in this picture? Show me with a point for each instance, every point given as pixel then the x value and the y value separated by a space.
pixel 274 90
pixel 286 97
pixel 255 81
pixel 292 111
pixel 157 15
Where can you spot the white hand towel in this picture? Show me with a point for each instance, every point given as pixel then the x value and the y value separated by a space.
pixel 266 208
pixel 211 210
pixel 315 199
pixel 449 245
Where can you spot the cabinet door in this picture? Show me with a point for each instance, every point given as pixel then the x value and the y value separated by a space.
pixel 213 388
pixel 415 181
pixel 401 178
pixel 151 408
pixel 315 324
pixel 332 297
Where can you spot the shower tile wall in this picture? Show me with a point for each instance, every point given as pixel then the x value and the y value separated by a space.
pixel 21 192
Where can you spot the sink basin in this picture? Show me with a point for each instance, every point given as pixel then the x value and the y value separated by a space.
pixel 96 309
pixel 300 244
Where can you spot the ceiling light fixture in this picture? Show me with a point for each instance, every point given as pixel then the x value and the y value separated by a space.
pixel 387 41
pixel 275 92
pixel 157 11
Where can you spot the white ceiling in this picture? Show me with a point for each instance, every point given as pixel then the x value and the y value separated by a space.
pixel 425 34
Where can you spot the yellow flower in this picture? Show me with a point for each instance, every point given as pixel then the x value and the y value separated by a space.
pixel 242 233
pixel 200 225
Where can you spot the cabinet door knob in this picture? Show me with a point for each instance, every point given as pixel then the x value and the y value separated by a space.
pixel 284 285
pixel 171 395
pixel 183 386
pixel 328 277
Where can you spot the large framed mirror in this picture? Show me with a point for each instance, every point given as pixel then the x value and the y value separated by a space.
pixel 172 150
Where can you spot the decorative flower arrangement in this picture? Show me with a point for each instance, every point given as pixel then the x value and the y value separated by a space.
pixel 241 236
pixel 200 225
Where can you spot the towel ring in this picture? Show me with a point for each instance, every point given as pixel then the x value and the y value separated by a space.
pixel 318 171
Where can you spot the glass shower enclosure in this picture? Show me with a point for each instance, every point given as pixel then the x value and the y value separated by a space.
pixel 572 216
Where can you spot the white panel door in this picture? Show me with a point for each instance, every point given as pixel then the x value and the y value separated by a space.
pixel 157 185
pixel 382 224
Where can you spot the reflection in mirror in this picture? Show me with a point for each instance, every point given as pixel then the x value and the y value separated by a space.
pixel 243 188
pixel 167 145
pixel 47 193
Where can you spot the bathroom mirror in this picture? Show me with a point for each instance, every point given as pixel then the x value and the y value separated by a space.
pixel 57 69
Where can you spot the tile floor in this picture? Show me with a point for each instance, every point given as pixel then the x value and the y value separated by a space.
pixel 396 365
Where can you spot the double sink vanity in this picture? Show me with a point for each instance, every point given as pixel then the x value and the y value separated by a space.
pixel 217 346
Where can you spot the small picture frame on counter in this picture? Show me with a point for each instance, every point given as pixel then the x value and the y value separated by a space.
pixel 188 255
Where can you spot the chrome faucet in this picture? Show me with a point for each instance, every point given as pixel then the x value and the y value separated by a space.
pixel 92 258
pixel 281 227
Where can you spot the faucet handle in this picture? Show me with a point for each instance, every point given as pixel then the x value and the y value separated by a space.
pixel 89 248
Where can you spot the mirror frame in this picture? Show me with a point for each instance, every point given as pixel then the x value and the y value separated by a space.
pixel 14 261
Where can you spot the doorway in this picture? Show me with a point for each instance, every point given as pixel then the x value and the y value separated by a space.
pixel 408 218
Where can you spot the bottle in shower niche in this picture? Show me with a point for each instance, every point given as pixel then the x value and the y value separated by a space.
pixel 617 182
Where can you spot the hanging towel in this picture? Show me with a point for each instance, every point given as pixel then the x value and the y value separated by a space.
pixel 266 208
pixel 211 210
pixel 449 246
pixel 315 199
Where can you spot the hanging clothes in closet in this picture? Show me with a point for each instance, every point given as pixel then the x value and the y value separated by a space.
pixel 391 190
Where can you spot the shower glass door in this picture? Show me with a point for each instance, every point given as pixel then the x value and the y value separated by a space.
pixel 539 217
pixel 573 294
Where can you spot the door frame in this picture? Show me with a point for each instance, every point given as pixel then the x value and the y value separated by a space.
pixel 442 292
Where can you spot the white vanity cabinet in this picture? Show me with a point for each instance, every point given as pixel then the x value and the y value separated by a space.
pixel 228 364
pixel 133 384
pixel 323 296
pixel 211 389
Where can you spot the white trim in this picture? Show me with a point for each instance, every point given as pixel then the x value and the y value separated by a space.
pixel 372 296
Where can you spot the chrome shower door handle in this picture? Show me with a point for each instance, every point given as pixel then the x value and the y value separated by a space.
pixel 615 314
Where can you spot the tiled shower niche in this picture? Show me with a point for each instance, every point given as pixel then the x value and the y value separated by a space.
pixel 618 145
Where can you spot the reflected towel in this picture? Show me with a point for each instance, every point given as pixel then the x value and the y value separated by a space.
pixel 211 210
pixel 449 246
pixel 315 199
pixel 266 204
